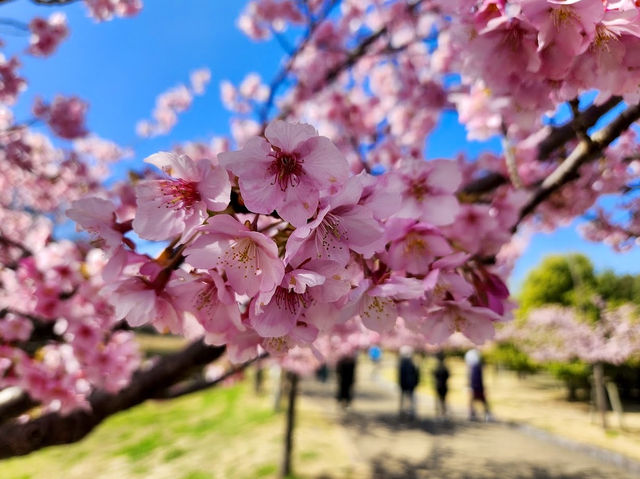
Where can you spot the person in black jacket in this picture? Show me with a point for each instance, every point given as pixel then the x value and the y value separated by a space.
pixel 440 378
pixel 408 378
pixel 345 372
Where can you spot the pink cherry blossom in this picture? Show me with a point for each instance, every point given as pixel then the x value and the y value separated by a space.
pixel 414 246
pixel 275 313
pixel 340 226
pixel 286 171
pixel 139 302
pixel 248 258
pixel 46 35
pixel 428 191
pixel 199 80
pixel 475 323
pixel 65 116
pixel 181 202
pixel 98 217
pixel 11 85
pixel 211 302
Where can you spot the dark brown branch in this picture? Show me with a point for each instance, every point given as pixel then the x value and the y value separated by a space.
pixel 183 389
pixel 15 406
pixel 560 135
pixel 53 2
pixel 14 244
pixel 586 151
pixel 557 137
pixel 53 428
pixel 485 184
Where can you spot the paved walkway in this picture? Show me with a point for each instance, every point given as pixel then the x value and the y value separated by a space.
pixel 385 447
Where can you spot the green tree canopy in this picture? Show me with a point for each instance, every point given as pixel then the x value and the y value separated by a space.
pixel 565 280
pixel 571 281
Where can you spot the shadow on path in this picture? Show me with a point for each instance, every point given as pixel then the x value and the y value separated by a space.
pixel 387 446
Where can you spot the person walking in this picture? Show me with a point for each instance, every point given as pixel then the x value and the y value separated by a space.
pixel 476 384
pixel 440 379
pixel 345 372
pixel 408 379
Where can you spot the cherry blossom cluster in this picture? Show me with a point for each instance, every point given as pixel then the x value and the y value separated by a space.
pixel 172 102
pixel 262 18
pixel 46 35
pixel 277 243
pixel 103 10
pixel 502 66
pixel 310 246
pixel 51 308
pixel 525 56
pixel 59 339
pixel 11 84
pixel 65 116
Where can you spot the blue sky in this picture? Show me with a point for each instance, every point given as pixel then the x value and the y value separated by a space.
pixel 121 66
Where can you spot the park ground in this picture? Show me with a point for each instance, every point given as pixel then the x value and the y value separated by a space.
pixel 231 432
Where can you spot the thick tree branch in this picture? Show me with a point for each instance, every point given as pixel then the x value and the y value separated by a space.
pixel 53 428
pixel 19 403
pixel 560 135
pixel 556 137
pixel 183 389
pixel 489 182
pixel 587 150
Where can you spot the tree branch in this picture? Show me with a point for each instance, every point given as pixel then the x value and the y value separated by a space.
pixel 587 150
pixel 20 402
pixel 202 384
pixel 560 135
pixel 351 59
pixel 54 428
pixel 556 137
pixel 476 188
pixel 279 79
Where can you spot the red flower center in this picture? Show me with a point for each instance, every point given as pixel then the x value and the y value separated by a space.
pixel 286 169
pixel 179 193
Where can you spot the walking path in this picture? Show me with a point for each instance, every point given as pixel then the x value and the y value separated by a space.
pixel 383 446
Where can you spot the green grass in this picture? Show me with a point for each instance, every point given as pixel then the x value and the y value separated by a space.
pixel 266 470
pixel 194 430
pixel 225 432
pixel 197 475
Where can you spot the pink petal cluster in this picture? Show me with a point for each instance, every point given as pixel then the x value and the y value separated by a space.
pixel 65 116
pixel 182 201
pixel 11 85
pixel 286 171
pixel 103 10
pixel 46 35
pixel 173 102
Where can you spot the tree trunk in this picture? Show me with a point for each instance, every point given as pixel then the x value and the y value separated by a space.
pixel 288 435
pixel 598 384
pixel 258 379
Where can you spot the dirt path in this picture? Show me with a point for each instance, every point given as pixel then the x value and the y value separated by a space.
pixel 385 447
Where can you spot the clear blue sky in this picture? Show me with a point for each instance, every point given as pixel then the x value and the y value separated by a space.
pixel 122 65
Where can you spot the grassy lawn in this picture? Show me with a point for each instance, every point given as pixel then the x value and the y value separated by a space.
pixel 225 432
